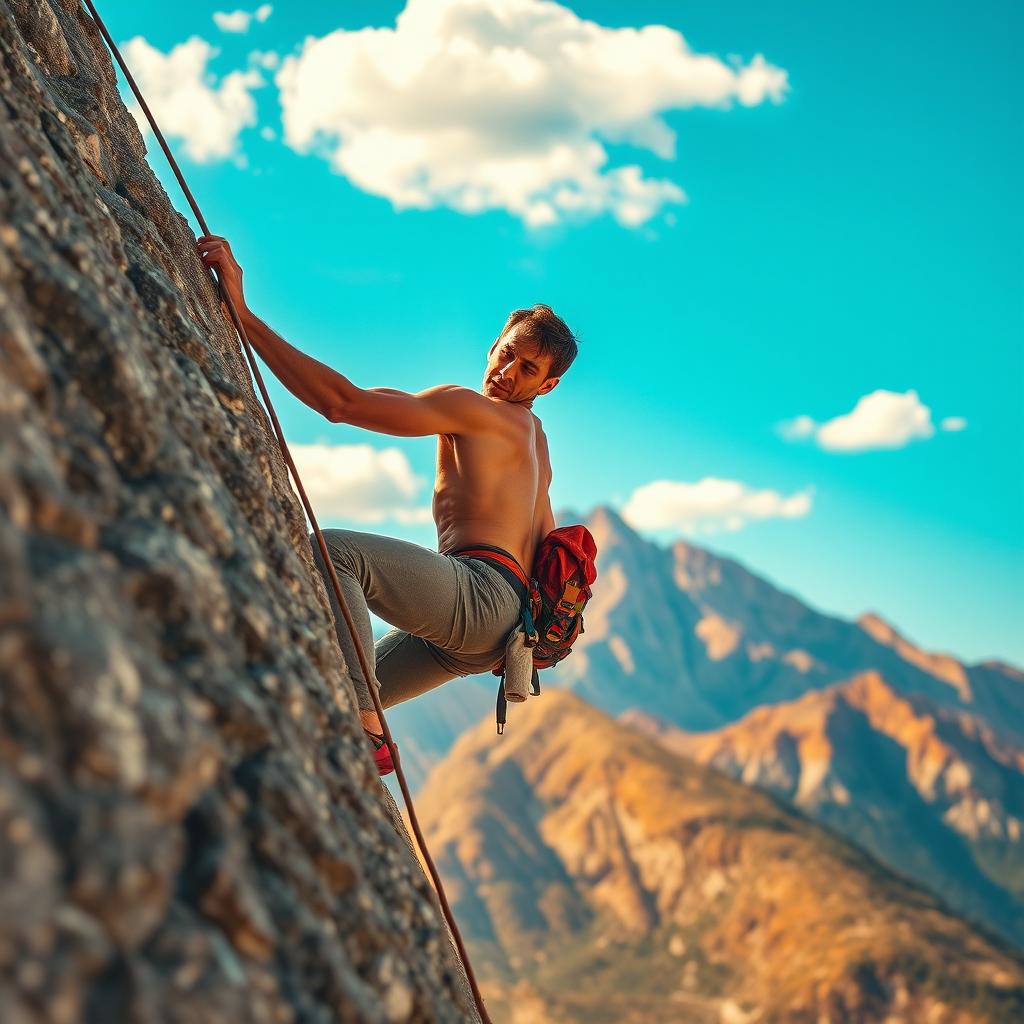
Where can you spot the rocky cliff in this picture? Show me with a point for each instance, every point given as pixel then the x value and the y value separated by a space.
pixel 190 826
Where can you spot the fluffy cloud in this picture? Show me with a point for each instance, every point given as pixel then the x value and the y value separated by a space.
pixel 206 117
pixel 881 419
pixel 360 482
pixel 709 505
pixel 479 105
pixel 797 428
pixel 239 21
pixel 265 59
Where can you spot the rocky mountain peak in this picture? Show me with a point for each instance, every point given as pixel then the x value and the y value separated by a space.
pixel 609 528
pixel 700 639
pixel 1003 668
pixel 942 666
pixel 881 629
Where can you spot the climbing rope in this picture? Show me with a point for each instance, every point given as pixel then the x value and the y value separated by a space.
pixel 322 544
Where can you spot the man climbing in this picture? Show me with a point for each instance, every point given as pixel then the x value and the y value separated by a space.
pixel 451 610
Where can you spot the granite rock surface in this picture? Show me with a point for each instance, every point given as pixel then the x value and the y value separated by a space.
pixel 191 828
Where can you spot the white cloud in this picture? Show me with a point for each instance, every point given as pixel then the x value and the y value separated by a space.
pixel 360 482
pixel 479 105
pixel 233 21
pixel 267 59
pixel 881 419
pixel 801 426
pixel 953 423
pixel 187 101
pixel 709 505
pixel 239 21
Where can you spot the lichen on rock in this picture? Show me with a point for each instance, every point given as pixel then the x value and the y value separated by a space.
pixel 190 825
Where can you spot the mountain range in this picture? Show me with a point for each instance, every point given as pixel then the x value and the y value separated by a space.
pixel 931 791
pixel 600 877
pixel 699 640
pixel 914 755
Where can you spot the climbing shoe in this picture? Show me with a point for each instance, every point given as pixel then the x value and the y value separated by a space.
pixel 381 754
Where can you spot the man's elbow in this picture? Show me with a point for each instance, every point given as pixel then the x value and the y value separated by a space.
pixel 357 414
pixel 341 407
pixel 336 412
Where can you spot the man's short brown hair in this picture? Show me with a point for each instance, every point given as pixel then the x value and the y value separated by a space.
pixel 548 331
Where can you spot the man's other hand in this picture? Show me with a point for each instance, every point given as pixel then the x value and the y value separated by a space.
pixel 215 252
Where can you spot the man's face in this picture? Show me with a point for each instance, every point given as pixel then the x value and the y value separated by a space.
pixel 516 369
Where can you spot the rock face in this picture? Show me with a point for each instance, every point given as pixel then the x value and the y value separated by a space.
pixel 190 825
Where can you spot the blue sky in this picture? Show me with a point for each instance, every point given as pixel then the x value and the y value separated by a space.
pixel 851 237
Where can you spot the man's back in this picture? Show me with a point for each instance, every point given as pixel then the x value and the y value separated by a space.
pixel 492 487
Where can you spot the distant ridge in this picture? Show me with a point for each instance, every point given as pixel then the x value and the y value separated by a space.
pixel 930 791
pixel 699 640
pixel 619 883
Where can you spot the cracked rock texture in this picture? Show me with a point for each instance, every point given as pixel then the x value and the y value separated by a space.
pixel 190 825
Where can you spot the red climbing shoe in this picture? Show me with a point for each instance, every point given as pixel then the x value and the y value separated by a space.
pixel 381 754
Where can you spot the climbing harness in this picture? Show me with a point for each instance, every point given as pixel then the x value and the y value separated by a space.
pixel 552 619
pixel 286 454
pixel 503 561
pixel 552 600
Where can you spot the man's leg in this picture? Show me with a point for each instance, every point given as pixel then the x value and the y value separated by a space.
pixel 406 667
pixel 408 585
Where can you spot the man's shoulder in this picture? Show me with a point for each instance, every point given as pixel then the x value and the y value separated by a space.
pixel 456 395
pixel 476 413
pixel 456 390
pixel 443 389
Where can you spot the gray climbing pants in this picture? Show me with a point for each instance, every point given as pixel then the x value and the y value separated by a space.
pixel 451 614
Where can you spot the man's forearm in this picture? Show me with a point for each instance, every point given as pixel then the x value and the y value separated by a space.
pixel 312 382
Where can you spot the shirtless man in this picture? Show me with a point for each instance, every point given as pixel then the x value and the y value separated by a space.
pixel 452 612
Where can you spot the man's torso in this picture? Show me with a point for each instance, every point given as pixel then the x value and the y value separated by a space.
pixel 493 488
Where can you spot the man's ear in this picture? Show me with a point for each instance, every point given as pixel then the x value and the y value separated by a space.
pixel 548 385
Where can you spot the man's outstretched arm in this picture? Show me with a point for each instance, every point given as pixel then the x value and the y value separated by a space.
pixel 445 409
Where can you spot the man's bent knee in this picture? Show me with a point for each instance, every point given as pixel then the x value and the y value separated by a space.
pixel 338 543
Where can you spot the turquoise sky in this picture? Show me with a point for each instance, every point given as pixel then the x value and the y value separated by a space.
pixel 862 234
